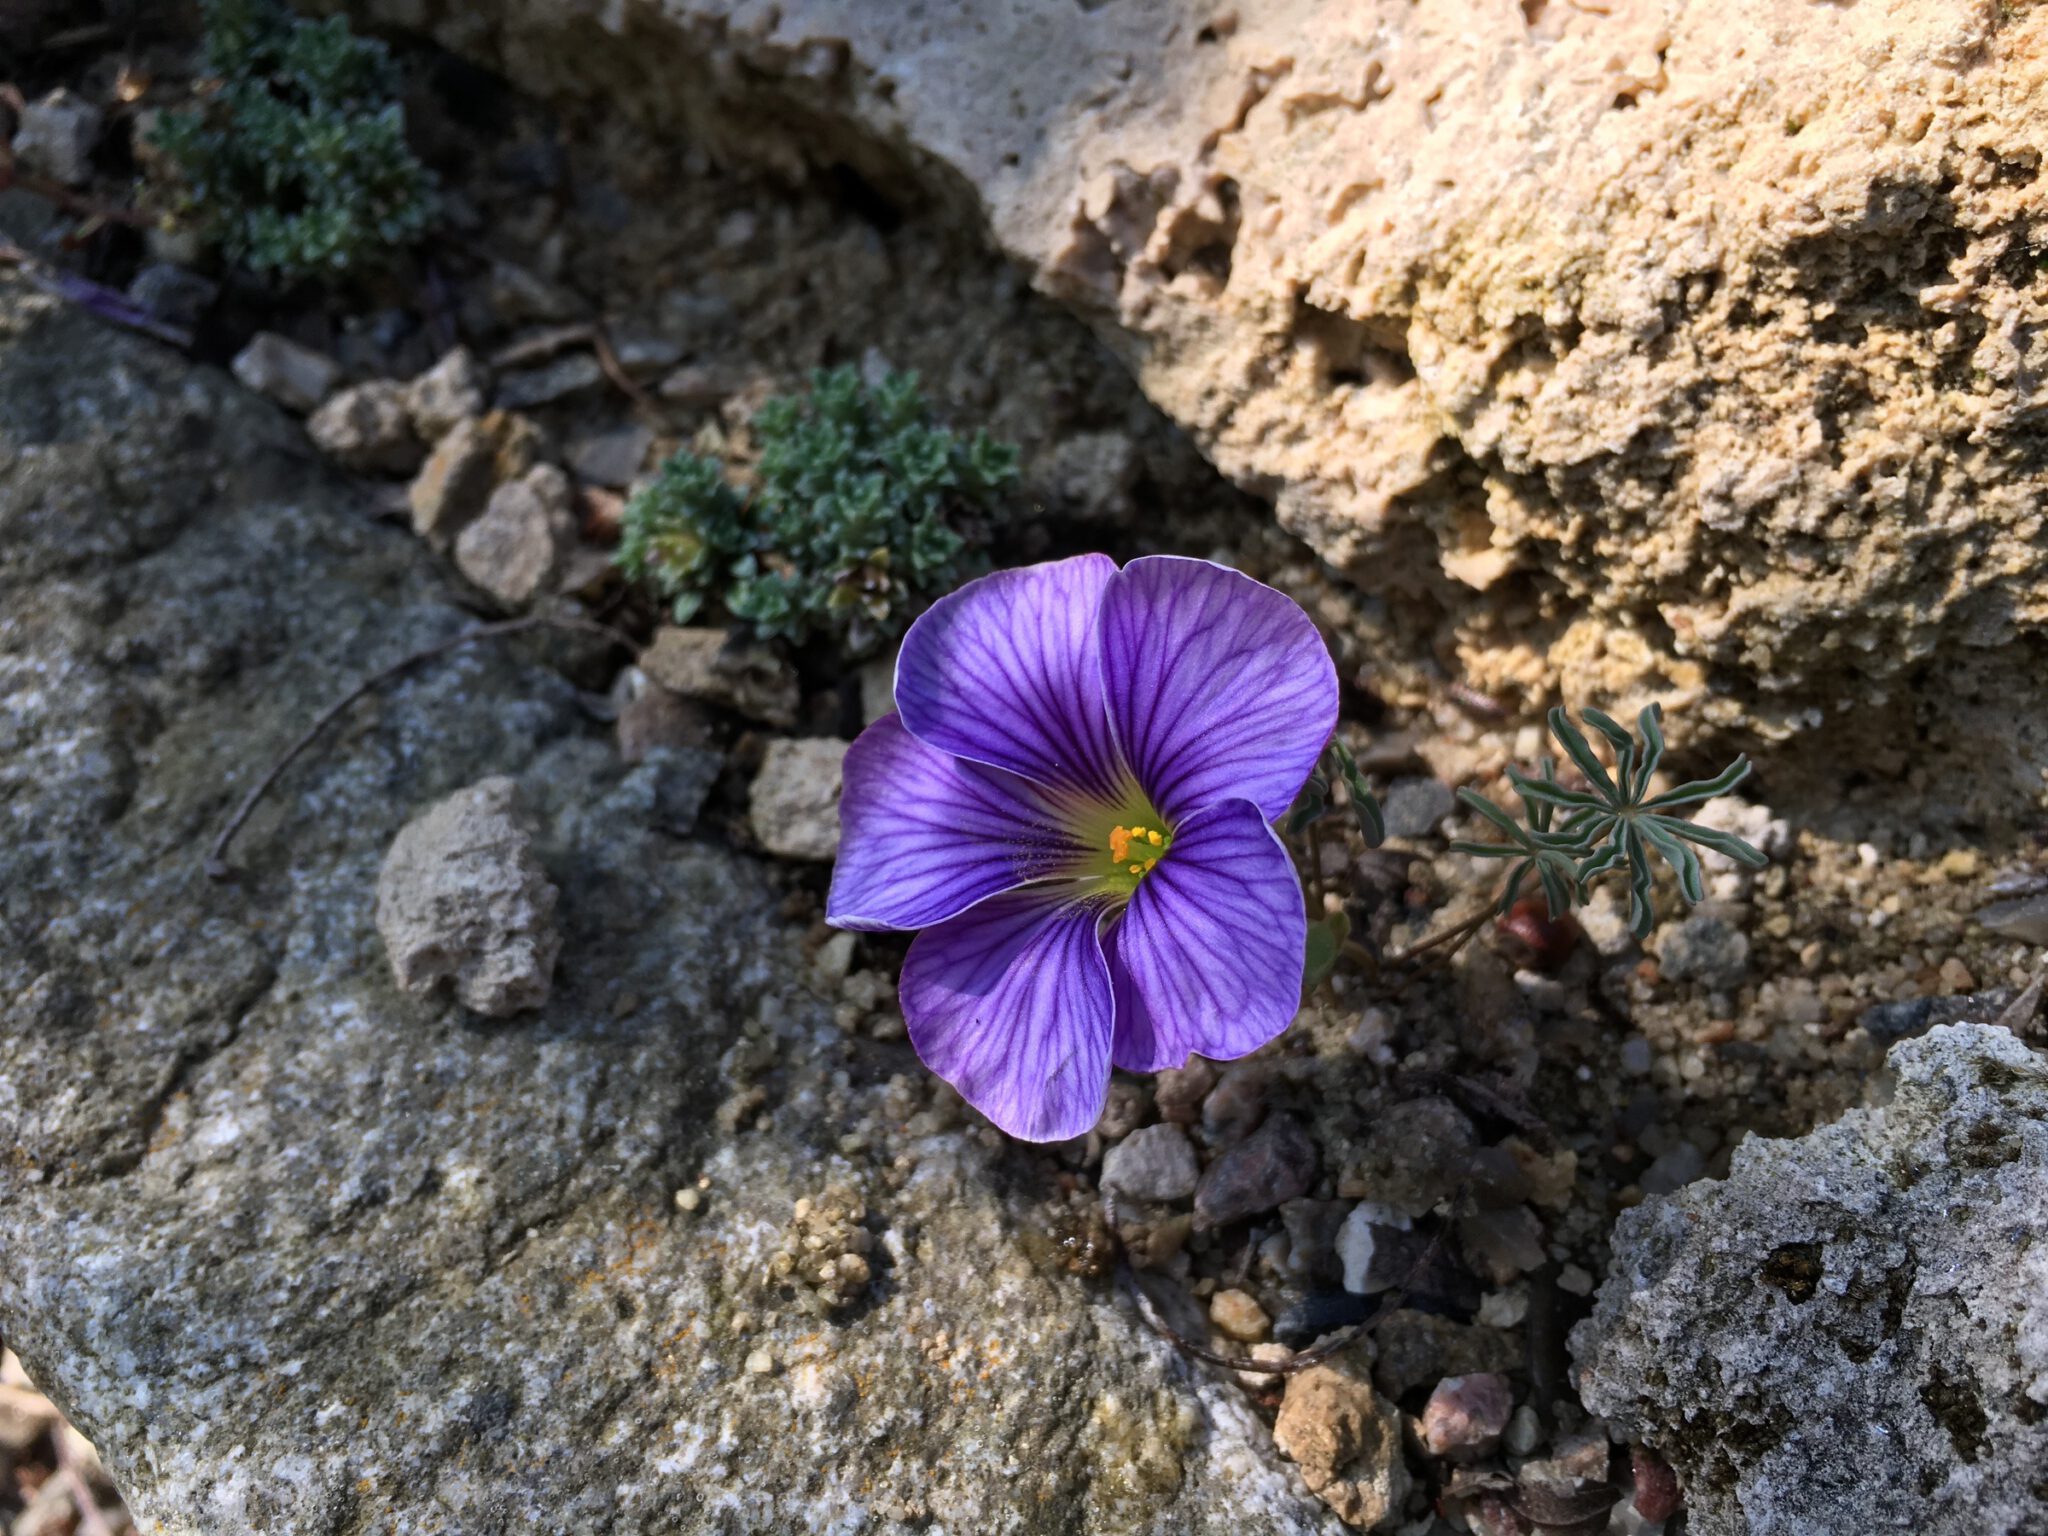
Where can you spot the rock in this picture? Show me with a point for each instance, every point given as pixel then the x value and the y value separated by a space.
pixel 651 718
pixel 1088 476
pixel 2023 917
pixel 519 296
pixel 245 1181
pixel 452 391
pixel 1460 377
pixel 1275 1164
pixel 1466 1416
pixel 1417 1348
pixel 710 665
pixel 1178 1092
pixel 575 374
pixel 1155 1162
pixel 1657 1496
pixel 296 377
pixel 1673 1169
pixel 794 805
pixel 462 898
pixel 1237 1102
pixel 516 549
pixel 57 136
pixel 1752 1330
pixel 175 295
pixel 366 428
pixel 1312 1228
pixel 466 466
pixel 1417 807
pixel 1372 1250
pixel 1320 1314
pixel 702 386
pixel 611 457
pixel 1237 1314
pixel 1703 947
pixel 1347 1440
pixel 1502 1245
pixel 1418 1152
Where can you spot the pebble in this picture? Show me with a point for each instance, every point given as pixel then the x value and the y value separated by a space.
pixel 701 386
pixel 759 1362
pixel 794 804
pixel 1636 1056
pixel 1123 1109
pixel 1235 1104
pixel 296 377
pixel 366 428
pixel 1524 1431
pixel 1312 1227
pixel 559 380
pixel 1466 1416
pixel 1704 947
pixel 612 457
pixel 453 390
pixel 1277 1163
pixel 1346 1439
pixel 175 295
pixel 1416 807
pixel 1574 1280
pixel 710 665
pixel 1369 1247
pixel 1088 475
pixel 1154 1163
pixel 1238 1315
pixel 1657 1495
pixel 688 1199
pixel 516 548
pixel 651 718
pixel 2024 918
pixel 1501 1245
pixel 470 462
pixel 1673 1170
pixel 57 135
pixel 1178 1092
pixel 1325 1312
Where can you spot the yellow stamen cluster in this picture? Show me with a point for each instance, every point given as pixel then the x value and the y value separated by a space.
pixel 1144 839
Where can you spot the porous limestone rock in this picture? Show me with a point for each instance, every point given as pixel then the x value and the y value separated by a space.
pixel 1850 1332
pixel 793 805
pixel 462 898
pixel 1673 348
pixel 516 549
pixel 303 1254
pixel 367 428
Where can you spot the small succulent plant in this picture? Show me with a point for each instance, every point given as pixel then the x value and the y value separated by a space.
pixel 294 162
pixel 861 509
pixel 1614 823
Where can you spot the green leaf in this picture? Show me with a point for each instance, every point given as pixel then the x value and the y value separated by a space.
pixel 1547 793
pixel 1724 843
pixel 1650 724
pixel 1702 789
pixel 1580 751
pixel 1326 937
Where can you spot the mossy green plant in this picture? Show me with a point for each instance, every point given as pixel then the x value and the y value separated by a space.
pixel 861 509
pixel 294 162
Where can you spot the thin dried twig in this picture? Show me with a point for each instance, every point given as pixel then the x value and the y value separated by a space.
pixel 217 857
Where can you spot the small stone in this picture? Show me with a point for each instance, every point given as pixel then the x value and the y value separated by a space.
pixel 367 429
pixel 1504 1308
pixel 1956 976
pixel 1417 807
pixel 2023 917
pixel 515 550
pixel 1178 1092
pixel 1321 1314
pixel 1466 1416
pixel 651 718
pixel 1277 1163
pixel 519 296
pixel 175 295
pixel 610 458
pixel 1673 1169
pixel 1123 1109
pixel 1370 1247
pixel 1575 1280
pixel 296 377
pixel 1502 1244
pixel 688 1199
pixel 1657 1495
pixel 759 1362
pixel 1312 1227
pixel 469 463
pixel 1234 1106
pixel 794 805
pixel 1156 1162
pixel 57 135
pixel 1524 1431
pixel 720 669
pixel 1636 1056
pixel 559 380
pixel 452 391
pixel 701 386
pixel 1238 1315
pixel 643 352
pixel 1704 947
pixel 1088 476
pixel 1347 1440
pixel 461 896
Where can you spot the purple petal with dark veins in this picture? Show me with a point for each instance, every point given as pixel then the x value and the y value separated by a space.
pixel 1218 685
pixel 1208 956
pixel 924 836
pixel 1010 1003
pixel 1005 672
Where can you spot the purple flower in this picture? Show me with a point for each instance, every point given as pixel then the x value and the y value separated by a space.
pixel 1074 802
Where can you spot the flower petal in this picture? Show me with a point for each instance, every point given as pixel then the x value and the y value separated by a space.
pixel 1217 685
pixel 1010 1003
pixel 924 836
pixel 1208 956
pixel 1005 672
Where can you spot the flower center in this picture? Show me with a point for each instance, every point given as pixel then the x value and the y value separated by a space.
pixel 1135 849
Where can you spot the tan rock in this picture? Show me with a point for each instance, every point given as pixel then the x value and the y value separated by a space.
pixel 366 428
pixel 470 461
pixel 1347 1440
pixel 718 668
pixel 1681 348
pixel 516 550
pixel 794 804
pixel 1238 1315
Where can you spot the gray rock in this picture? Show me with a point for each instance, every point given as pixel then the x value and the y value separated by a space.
pixel 1850 1333
pixel 2023 917
pixel 652 719
pixel 1273 1165
pixel 57 135
pixel 453 390
pixel 561 379
pixel 296 377
pixel 175 295
pixel 721 669
pixel 794 805
pixel 366 428
pixel 1889 1023
pixel 1417 807
pixel 1673 1169
pixel 461 898
pixel 1703 947
pixel 1155 1162
pixel 300 1254
pixel 611 457
pixel 1087 475
pixel 516 549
